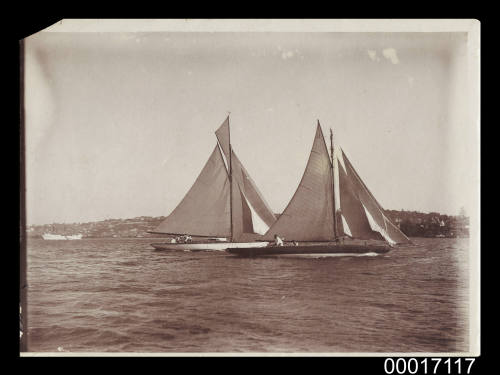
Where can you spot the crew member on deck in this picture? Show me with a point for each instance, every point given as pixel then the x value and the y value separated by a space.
pixel 277 241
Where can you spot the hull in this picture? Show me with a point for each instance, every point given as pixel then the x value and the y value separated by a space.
pixel 206 246
pixel 330 249
pixel 49 236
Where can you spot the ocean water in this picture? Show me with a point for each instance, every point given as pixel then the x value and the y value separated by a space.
pixel 121 295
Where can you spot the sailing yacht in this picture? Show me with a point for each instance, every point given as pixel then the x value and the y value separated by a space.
pixel 223 207
pixel 331 212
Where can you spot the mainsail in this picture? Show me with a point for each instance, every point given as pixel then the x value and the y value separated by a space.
pixel 206 209
pixel 309 215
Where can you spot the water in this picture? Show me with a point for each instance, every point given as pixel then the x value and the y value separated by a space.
pixel 120 295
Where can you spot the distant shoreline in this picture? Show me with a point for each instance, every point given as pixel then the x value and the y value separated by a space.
pixel 412 223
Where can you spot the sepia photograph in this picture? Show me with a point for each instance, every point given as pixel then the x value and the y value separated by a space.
pixel 238 187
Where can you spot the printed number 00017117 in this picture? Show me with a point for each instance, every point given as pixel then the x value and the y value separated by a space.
pixel 428 365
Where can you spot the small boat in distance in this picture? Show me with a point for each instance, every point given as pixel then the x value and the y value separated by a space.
pixel 331 212
pixel 50 236
pixel 223 208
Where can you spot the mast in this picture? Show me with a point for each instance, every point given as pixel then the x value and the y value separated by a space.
pixel 230 179
pixel 333 184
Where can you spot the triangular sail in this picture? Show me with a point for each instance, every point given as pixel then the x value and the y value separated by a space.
pixel 251 220
pixel 252 216
pixel 352 211
pixel 309 214
pixel 364 216
pixel 243 182
pixel 245 215
pixel 204 210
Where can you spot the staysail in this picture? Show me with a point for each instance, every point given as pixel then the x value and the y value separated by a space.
pixel 353 220
pixel 361 215
pixel 309 214
pixel 246 194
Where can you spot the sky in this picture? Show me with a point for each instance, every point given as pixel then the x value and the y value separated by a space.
pixel 119 125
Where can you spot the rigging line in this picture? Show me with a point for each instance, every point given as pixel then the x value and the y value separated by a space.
pixel 333 183
pixel 230 177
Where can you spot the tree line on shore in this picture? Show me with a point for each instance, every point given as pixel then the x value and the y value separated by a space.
pixel 432 224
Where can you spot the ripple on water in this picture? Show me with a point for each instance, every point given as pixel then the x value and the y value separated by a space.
pixel 121 295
